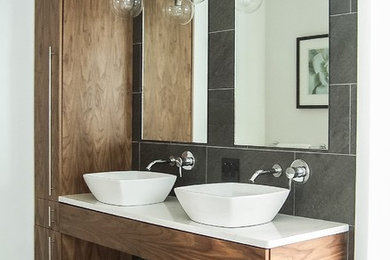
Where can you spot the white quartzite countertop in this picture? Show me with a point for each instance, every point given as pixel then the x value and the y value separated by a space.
pixel 283 230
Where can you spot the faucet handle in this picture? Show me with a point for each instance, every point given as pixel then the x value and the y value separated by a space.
pixel 298 171
pixel 188 161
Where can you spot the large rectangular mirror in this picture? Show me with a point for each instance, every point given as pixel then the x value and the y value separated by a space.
pixel 282 73
pixel 174 105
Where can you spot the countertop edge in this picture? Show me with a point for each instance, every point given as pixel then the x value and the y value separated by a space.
pixel 266 244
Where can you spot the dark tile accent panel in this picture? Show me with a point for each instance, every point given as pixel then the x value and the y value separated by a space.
pixel 137 29
pixel 135 157
pixel 353 119
pixel 339 6
pixel 221 117
pixel 221 60
pixel 343 49
pixel 354 6
pixel 137 110
pixel 339 123
pixel 250 162
pixel 330 192
pixel 153 151
pixel 137 68
pixel 351 243
pixel 221 16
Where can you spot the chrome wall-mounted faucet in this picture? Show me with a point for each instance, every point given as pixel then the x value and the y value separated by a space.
pixel 185 162
pixel 275 171
pixel 298 172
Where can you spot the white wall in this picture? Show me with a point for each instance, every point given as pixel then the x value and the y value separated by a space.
pixel 16 129
pixel 373 179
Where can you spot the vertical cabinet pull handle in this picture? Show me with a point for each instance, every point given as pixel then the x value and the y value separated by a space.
pixel 50 119
pixel 49 248
pixel 50 211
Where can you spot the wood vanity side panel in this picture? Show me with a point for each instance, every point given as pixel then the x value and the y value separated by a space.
pixel 326 248
pixel 97 92
pixel 149 241
pixel 167 103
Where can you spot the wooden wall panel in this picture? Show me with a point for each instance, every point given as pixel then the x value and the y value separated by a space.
pixel 326 248
pixel 167 103
pixel 149 241
pixel 96 98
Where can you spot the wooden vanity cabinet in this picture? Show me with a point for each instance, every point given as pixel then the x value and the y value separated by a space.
pixel 155 242
pixel 46 122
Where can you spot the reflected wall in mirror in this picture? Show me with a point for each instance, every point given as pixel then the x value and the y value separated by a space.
pixel 269 111
pixel 174 75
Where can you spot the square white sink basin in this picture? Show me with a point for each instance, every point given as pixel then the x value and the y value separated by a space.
pixel 231 204
pixel 130 188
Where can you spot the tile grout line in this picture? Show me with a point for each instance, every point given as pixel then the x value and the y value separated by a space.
pixel 350 119
pixel 342 14
pixel 342 84
pixel 139 156
pixel 350 6
pixel 219 89
pixel 348 237
pixel 249 149
pixel 221 31
pixel 207 156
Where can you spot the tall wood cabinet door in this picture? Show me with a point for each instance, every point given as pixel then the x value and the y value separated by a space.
pixel 47 85
pixel 47 244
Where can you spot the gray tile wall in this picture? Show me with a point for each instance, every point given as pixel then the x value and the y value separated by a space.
pixel 330 193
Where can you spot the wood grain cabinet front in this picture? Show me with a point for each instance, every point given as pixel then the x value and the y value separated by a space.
pixel 46 214
pixel 155 242
pixel 82 104
pixel 47 244
pixel 46 97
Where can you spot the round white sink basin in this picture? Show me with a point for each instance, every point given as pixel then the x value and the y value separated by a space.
pixel 130 188
pixel 231 204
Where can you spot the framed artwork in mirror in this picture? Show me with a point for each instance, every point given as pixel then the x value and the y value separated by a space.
pixel 313 71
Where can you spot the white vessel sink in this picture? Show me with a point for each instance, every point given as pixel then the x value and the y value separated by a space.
pixel 231 204
pixel 130 188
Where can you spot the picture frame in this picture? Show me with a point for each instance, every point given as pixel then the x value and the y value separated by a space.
pixel 313 72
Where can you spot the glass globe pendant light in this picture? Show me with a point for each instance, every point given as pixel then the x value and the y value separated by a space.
pixel 180 11
pixel 248 6
pixel 127 8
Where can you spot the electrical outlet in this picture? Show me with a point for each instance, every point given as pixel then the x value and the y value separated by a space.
pixel 230 170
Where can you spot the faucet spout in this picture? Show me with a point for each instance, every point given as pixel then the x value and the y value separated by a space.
pixel 150 165
pixel 185 162
pixel 276 170
pixel 255 175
